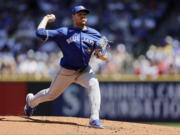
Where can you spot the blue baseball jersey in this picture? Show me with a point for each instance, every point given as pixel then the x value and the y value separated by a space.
pixel 77 44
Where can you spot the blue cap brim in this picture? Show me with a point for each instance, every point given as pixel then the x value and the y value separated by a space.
pixel 79 8
pixel 86 10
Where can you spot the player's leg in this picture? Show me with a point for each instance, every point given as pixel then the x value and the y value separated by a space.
pixel 63 79
pixel 88 80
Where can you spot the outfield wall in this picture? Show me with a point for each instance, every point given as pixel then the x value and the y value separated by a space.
pixel 126 101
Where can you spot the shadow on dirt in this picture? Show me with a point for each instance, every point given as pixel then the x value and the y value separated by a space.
pixel 29 119
pixel 2 119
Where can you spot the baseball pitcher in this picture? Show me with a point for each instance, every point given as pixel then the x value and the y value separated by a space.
pixel 77 44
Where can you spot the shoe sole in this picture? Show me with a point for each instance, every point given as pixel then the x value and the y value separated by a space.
pixel 28 95
pixel 90 126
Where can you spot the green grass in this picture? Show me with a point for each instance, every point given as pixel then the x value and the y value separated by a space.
pixel 170 124
pixel 71 134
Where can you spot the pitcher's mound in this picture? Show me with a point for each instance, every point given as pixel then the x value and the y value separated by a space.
pixel 43 125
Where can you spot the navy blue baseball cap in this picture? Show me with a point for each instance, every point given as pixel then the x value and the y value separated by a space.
pixel 79 8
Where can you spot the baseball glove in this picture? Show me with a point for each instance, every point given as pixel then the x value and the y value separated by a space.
pixel 101 46
pixel 103 42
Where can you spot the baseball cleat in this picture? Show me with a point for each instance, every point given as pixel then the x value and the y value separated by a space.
pixel 27 109
pixel 96 124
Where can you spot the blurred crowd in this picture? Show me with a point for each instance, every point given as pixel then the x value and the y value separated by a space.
pixel 127 23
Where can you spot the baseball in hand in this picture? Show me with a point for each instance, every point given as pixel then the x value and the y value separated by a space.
pixel 51 18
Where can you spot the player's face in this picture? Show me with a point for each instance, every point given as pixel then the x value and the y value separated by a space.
pixel 80 18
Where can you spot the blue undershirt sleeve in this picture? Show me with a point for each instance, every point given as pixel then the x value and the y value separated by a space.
pixel 46 34
pixel 98 35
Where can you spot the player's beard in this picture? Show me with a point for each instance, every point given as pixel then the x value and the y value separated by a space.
pixel 82 23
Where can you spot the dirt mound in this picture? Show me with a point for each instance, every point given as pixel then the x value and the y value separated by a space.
pixel 43 125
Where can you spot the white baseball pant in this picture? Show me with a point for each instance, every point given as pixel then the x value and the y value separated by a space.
pixel 63 79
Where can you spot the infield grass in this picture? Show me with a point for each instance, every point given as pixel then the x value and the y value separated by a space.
pixel 171 124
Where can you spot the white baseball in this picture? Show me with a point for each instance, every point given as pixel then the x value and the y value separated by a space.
pixel 53 16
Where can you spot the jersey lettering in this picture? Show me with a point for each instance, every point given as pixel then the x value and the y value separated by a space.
pixel 77 38
pixel 89 41
pixel 73 39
